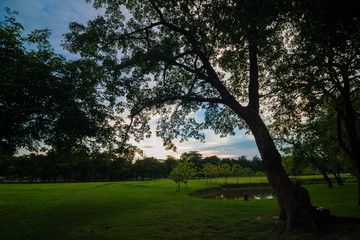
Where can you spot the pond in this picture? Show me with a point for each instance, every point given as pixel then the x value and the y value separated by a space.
pixel 237 192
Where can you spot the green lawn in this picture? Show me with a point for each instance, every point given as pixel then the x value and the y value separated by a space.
pixel 150 210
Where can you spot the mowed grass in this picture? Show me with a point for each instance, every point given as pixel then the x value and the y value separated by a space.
pixel 150 210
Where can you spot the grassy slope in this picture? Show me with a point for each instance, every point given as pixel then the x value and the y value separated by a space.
pixel 149 210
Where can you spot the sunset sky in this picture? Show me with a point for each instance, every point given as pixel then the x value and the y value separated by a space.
pixel 56 15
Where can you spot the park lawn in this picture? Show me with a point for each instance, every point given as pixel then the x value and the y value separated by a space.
pixel 150 210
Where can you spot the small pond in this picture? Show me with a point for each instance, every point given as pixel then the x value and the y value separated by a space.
pixel 237 192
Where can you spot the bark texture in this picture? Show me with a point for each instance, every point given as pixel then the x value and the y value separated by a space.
pixel 296 209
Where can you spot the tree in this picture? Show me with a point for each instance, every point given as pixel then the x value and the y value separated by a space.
pixel 192 156
pixel 225 170
pixel 215 160
pixel 170 164
pixel 210 171
pixel 308 147
pixel 237 170
pixel 318 142
pixel 46 99
pixel 172 58
pixel 249 172
pixel 228 161
pixel 321 68
pixel 182 173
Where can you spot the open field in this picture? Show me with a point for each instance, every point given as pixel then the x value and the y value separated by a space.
pixel 152 210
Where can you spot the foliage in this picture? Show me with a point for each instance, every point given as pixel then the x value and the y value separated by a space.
pixel 175 58
pixel 225 171
pixel 313 144
pixel 104 166
pixel 249 172
pixel 46 99
pixel 237 171
pixel 210 171
pixel 192 156
pixel 182 173
pixel 320 70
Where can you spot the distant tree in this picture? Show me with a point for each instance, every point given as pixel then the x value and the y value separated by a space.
pixel 249 172
pixel 215 160
pixel 147 168
pixel 228 161
pixel 120 168
pixel 192 156
pixel 101 162
pixel 243 161
pixel 182 173
pixel 210 171
pixel 170 163
pixel 225 171
pixel 237 170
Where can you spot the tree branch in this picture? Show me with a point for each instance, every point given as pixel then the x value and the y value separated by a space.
pixel 125 136
pixel 254 78
pixel 211 77
pixel 130 34
pixel 153 102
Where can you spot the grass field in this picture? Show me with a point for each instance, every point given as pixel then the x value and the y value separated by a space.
pixel 152 210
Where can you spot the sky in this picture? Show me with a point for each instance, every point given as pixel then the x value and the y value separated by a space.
pixel 57 14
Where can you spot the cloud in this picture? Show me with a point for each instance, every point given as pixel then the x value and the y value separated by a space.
pixel 233 149
pixel 228 147
pixel 147 146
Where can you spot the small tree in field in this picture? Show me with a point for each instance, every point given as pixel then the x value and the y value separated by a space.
pixel 182 173
pixel 249 172
pixel 225 171
pixel 210 171
pixel 237 170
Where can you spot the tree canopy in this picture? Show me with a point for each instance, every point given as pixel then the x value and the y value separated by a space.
pixel 173 58
pixel 320 69
pixel 46 100
pixel 239 63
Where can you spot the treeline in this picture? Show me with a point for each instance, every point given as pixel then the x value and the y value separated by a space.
pixel 104 166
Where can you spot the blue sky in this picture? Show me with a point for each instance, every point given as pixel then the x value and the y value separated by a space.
pixel 57 14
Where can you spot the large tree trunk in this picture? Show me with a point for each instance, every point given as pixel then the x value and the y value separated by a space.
pixel 349 118
pixel 296 209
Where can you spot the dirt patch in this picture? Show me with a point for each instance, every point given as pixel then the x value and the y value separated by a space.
pixel 259 218
pixel 195 230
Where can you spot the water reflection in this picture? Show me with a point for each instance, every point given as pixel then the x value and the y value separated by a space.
pixel 238 194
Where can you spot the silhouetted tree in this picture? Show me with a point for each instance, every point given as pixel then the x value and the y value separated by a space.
pixel 46 99
pixel 184 56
